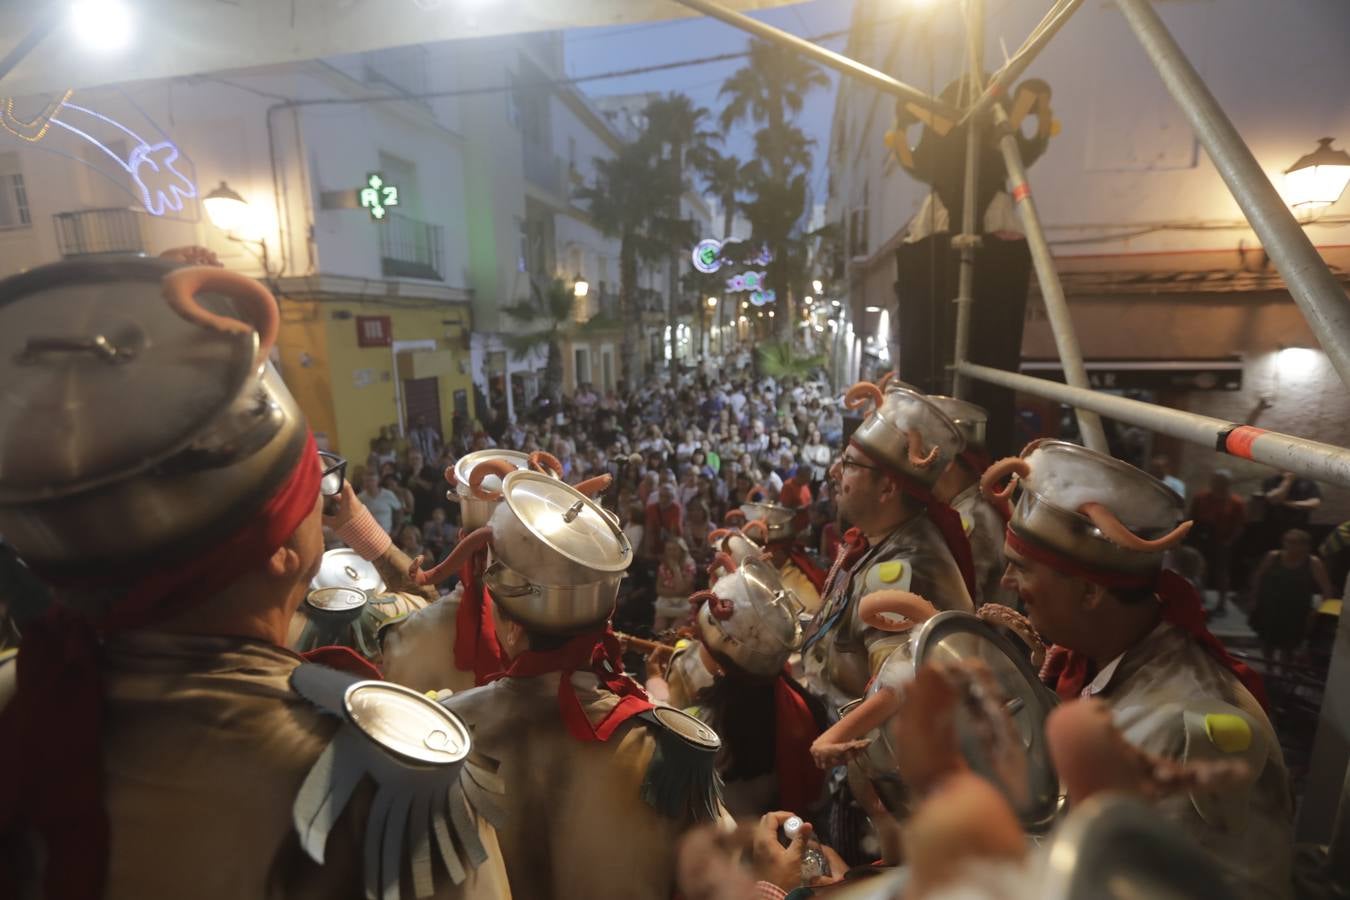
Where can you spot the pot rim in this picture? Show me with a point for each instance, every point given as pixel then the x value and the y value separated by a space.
pixel 1076 450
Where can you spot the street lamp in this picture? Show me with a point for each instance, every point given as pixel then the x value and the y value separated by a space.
pixel 231 214
pixel 712 301
pixel 580 287
pixel 1319 178
pixel 227 210
pixel 817 286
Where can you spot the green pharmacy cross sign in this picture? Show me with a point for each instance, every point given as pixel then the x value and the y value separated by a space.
pixel 377 196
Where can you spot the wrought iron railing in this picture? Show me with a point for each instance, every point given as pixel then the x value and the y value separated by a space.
pixel 410 249
pixel 87 232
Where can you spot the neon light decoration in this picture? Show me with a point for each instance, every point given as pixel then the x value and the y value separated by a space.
pixel 377 196
pixel 711 254
pixel 746 281
pixel 154 168
pixel 708 256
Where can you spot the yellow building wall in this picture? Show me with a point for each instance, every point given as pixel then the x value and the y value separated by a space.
pixel 359 382
pixel 303 345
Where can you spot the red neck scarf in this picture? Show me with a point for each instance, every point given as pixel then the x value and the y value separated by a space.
pixel 476 646
pixel 1068 672
pixel 799 778
pixel 947 520
pixel 58 705
pixel 596 652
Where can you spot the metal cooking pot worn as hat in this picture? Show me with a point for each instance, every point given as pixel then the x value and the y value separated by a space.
pixel 750 618
pixel 556 556
pixel 972 420
pixel 904 431
pixel 1090 532
pixel 478 495
pixel 140 419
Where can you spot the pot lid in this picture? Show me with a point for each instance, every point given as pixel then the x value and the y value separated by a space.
pixel 464 467
pixel 100 379
pixel 345 568
pixel 567 521
pixel 336 599
pixel 406 722
pixel 764 583
pixel 1113 846
pixel 955 636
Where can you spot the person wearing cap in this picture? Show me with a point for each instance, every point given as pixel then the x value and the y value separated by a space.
pixel 161 741
pixel 903 537
pixel 733 676
pixel 959 487
pixel 1085 549
pixel 601 781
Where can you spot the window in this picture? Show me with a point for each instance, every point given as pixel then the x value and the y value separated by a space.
pixel 583 365
pixel 14 211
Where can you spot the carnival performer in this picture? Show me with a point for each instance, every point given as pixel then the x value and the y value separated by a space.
pixel 453 642
pixel 160 740
pixel 959 487
pixel 602 781
pixel 1085 553
pixel 902 537
pixel 779 531
pixel 734 678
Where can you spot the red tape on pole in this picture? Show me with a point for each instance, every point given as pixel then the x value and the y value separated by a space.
pixel 1240 439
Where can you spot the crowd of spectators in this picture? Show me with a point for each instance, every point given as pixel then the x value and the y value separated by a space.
pixel 685 449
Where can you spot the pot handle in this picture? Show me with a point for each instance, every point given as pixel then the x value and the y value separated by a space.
pixel 468 545
pixel 724 561
pixel 547 463
pixel 181 286
pixel 734 515
pixel 718 607
pixel 597 485
pixel 756 524
pixel 717 534
pixel 450 478
pixel 845 737
pixel 499 467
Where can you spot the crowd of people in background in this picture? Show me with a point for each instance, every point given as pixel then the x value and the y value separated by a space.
pixel 686 449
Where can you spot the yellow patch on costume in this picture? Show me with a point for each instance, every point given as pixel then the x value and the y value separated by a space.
pixel 891 571
pixel 1228 732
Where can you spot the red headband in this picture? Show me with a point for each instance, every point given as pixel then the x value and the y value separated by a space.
pixel 1068 671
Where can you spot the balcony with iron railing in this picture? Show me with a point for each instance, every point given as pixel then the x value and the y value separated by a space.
pixel 89 232
pixel 410 249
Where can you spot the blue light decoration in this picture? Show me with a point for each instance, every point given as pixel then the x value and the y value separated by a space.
pixel 377 196
pixel 763 298
pixel 155 169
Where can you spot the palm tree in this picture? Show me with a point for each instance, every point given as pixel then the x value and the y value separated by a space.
pixel 551 309
pixel 633 201
pixel 771 85
pixel 770 90
pixel 723 179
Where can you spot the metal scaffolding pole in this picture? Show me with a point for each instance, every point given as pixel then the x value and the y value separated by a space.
pixel 1313 459
pixel 1321 299
pixel 1052 291
pixel 821 55
pixel 969 239
pixel 1030 49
